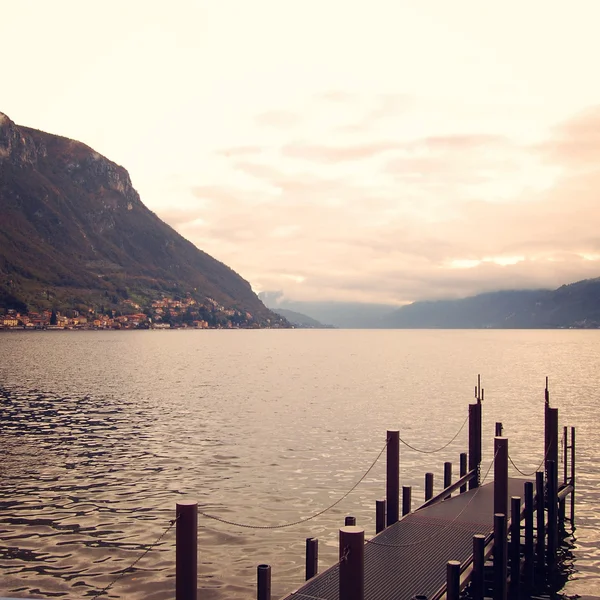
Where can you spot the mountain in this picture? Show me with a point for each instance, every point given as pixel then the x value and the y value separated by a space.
pixel 574 305
pixel 345 315
pixel 74 233
pixel 300 320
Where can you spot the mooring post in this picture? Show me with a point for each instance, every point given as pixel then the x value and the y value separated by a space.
pixel 428 486
pixel 263 582
pixel 379 515
pixel 565 454
pixel 393 477
pixel 350 520
pixel 453 580
pixel 552 514
pixel 573 477
pixel 500 587
pixel 478 578
pixel 540 549
pixel 529 550
pixel 515 545
pixel 552 442
pixel 501 475
pixel 186 551
pixel 406 499
pixel 447 476
pixel 498 429
pixel 352 563
pixel 463 470
pixel 474 442
pixel 312 557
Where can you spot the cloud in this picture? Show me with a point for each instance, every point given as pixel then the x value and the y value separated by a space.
pixel 277 119
pixel 321 153
pixel 576 142
pixel 448 216
pixel 236 151
pixel 387 106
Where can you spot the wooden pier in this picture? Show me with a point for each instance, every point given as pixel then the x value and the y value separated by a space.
pixel 499 539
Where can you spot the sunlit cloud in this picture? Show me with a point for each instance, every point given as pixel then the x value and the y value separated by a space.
pixel 438 226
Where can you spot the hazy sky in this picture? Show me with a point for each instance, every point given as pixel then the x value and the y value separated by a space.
pixel 365 150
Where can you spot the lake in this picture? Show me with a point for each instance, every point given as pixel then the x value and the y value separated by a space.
pixel 103 432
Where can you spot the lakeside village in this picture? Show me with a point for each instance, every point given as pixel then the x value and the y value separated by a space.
pixel 167 313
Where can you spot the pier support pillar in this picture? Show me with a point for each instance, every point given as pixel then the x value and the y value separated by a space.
pixel 186 551
pixel 515 546
pixel 463 470
pixel 263 587
pixel 447 476
pixel 474 441
pixel 406 499
pixel 552 514
pixel 453 580
pixel 500 587
pixel 573 477
pixel 393 477
pixel 352 563
pixel 478 578
pixel 312 557
pixel 379 515
pixel 540 549
pixel 428 486
pixel 501 475
pixel 529 548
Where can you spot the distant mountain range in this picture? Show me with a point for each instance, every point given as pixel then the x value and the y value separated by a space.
pixel 575 305
pixel 299 320
pixel 74 233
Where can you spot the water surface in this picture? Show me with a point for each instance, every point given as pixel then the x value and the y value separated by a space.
pixel 103 432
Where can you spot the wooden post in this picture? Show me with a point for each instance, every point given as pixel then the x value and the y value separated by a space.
pixel 463 470
pixel 501 475
pixel 540 549
pixel 263 586
pixel 478 579
pixel 447 476
pixel 498 429
pixel 573 477
pixel 474 441
pixel 352 563
pixel 186 551
pixel 393 477
pixel 428 486
pixel 529 549
pixel 565 454
pixel 379 516
pixel 406 499
pixel 552 442
pixel 552 514
pixel 349 520
pixel 453 580
pixel 500 588
pixel 515 545
pixel 312 557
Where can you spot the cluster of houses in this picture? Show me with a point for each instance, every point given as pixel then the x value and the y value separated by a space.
pixel 162 314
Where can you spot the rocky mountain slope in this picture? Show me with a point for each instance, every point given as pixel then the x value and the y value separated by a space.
pixel 74 232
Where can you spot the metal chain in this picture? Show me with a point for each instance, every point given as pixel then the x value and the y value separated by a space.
pixel 439 532
pixel 533 472
pixel 300 521
pixel 136 561
pixel 438 449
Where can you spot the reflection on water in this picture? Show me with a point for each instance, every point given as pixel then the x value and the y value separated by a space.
pixel 103 432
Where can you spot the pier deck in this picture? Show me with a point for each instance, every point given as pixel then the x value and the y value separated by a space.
pixel 409 558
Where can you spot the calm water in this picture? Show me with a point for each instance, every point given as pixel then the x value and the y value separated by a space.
pixel 103 432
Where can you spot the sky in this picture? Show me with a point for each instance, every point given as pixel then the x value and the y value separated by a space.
pixel 368 150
